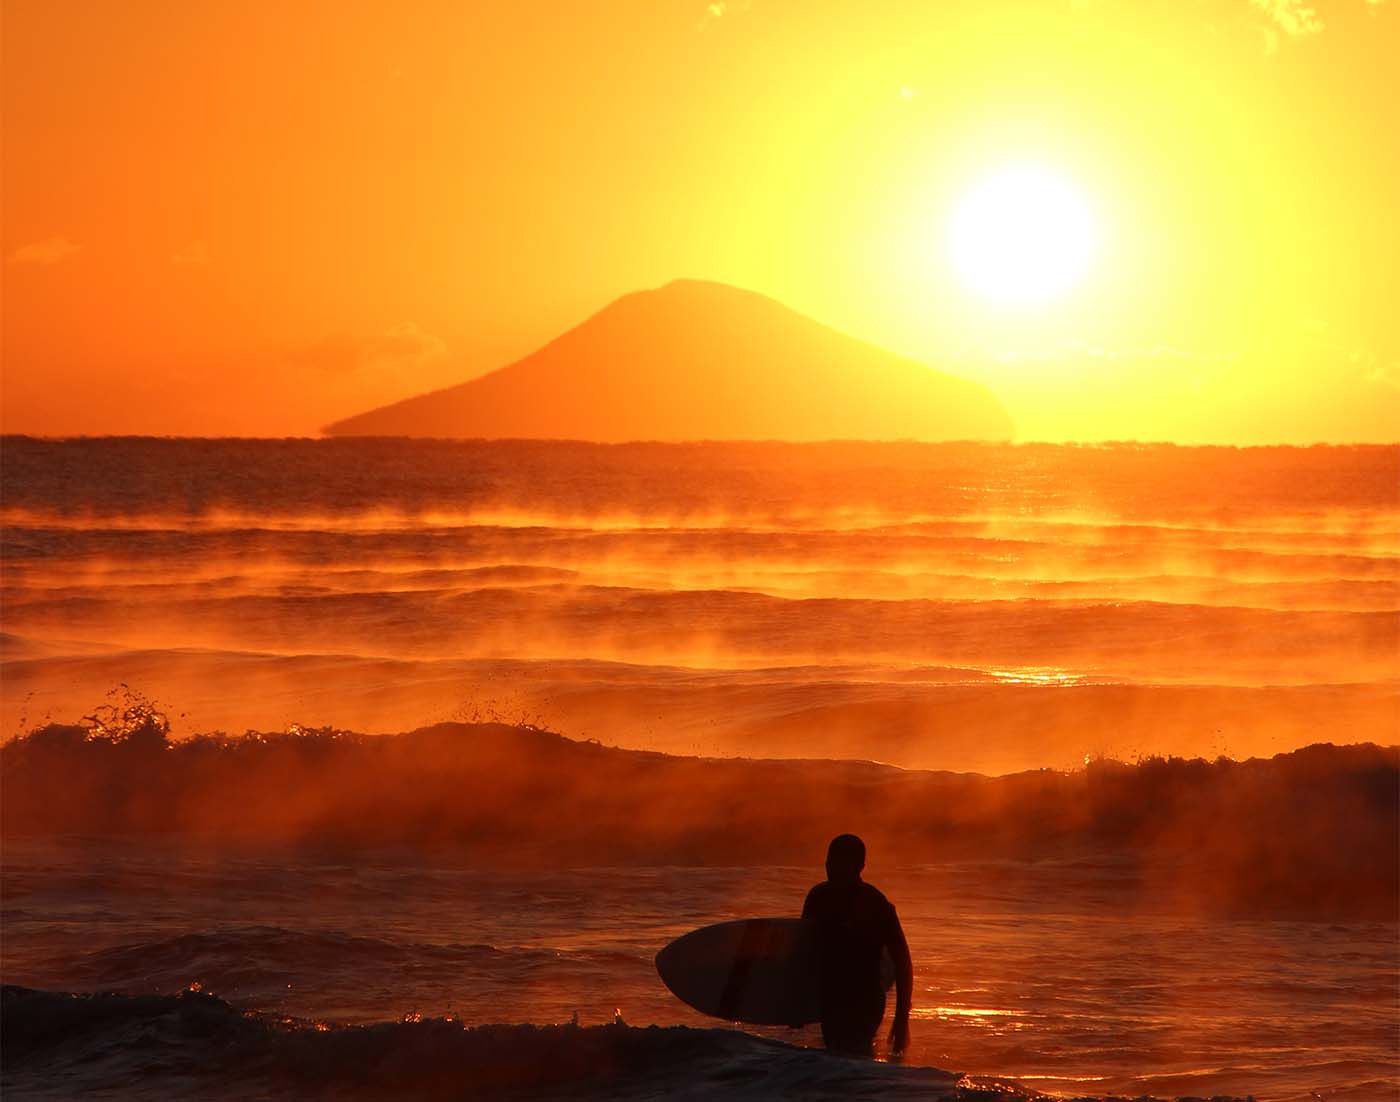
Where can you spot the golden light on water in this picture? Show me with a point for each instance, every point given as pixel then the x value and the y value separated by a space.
pixel 976 1015
pixel 1036 675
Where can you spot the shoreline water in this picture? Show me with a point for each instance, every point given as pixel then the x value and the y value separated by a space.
pixel 1060 974
pixel 212 1047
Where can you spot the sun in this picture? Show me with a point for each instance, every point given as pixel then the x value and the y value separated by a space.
pixel 1022 236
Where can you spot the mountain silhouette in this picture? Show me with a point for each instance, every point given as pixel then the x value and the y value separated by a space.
pixel 695 360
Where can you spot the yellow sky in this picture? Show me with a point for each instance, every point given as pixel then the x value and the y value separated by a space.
pixel 255 217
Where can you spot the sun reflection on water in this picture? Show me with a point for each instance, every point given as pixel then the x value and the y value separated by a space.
pixel 978 1015
pixel 1036 675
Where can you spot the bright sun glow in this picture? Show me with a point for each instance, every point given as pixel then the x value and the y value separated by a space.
pixel 1022 237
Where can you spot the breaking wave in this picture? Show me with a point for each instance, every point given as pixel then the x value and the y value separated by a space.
pixel 1314 832
pixel 153 1046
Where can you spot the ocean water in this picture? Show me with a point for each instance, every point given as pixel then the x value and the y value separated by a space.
pixel 969 607
pixel 963 608
pixel 1055 977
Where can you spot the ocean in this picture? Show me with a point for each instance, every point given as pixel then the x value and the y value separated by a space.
pixel 519 713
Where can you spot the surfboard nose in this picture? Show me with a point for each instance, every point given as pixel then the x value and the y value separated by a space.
pixel 755 970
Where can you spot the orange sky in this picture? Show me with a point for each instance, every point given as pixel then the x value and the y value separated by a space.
pixel 255 218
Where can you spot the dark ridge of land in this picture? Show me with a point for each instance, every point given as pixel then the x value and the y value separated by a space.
pixel 695 360
pixel 1314 832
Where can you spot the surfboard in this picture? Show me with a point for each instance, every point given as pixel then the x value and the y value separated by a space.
pixel 761 971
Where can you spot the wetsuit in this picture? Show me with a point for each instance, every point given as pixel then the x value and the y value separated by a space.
pixel 854 923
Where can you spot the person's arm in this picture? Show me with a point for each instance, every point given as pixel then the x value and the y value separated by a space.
pixel 903 985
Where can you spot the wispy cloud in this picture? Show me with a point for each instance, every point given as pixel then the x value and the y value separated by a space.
pixel 402 346
pixel 192 254
pixel 1374 371
pixel 718 9
pixel 48 251
pixel 1293 17
pixel 1386 375
pixel 1354 361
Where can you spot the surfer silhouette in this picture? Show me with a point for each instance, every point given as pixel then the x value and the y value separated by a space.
pixel 854 923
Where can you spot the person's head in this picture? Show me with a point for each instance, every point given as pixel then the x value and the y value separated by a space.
pixel 845 857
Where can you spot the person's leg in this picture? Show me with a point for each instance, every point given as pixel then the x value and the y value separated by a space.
pixel 849 1038
pixel 851 1027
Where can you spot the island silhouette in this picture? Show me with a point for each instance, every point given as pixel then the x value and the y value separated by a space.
pixel 697 360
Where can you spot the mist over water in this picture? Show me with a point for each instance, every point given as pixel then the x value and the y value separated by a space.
pixel 943 606
pixel 966 608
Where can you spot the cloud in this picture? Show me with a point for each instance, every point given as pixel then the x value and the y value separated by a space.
pixel 718 9
pixel 1281 19
pixel 1357 362
pixel 402 346
pixel 48 251
pixel 1383 375
pixel 192 254
pixel 1293 17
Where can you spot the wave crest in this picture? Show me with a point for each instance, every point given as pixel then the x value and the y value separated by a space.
pixel 156 1045
pixel 1315 831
